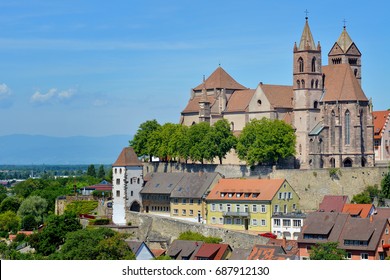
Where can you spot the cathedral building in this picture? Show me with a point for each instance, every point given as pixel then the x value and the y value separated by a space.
pixel 326 105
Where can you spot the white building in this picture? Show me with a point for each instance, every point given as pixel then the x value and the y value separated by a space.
pixel 287 225
pixel 127 181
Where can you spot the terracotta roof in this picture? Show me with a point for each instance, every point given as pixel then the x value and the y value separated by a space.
pixel 193 104
pixel 341 84
pixel 344 40
pixel 288 118
pixel 220 79
pixel 362 210
pixel 290 246
pixel 333 203
pixel 239 101
pixel 212 251
pixel 264 188
pixel 382 213
pixel 127 158
pixel 278 96
pixel 158 252
pixel 381 118
pixel 267 252
pixel 240 254
pixel 307 41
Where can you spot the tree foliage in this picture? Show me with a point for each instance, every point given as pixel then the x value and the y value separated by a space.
pixel 9 221
pixel 385 185
pixel 101 172
pixel 195 236
pixel 199 141
pixel 91 171
pixel 327 251
pixel 10 203
pixel 266 141
pixel 222 139
pixel 367 195
pixel 35 206
pixel 140 141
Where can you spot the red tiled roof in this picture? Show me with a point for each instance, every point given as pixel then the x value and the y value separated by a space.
pixel 239 101
pixel 127 158
pixel 380 120
pixel 193 104
pixel 333 203
pixel 267 252
pixel 362 210
pixel 212 251
pixel 341 84
pixel 278 96
pixel 220 79
pixel 265 188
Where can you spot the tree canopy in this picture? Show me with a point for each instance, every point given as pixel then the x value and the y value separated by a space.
pixel 140 141
pixel 35 206
pixel 327 251
pixel 266 141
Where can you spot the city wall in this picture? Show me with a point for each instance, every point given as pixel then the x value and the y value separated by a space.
pixel 311 185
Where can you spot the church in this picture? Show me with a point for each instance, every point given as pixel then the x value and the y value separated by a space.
pixel 325 104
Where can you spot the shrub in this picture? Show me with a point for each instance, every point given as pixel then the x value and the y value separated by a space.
pixel 195 236
pixel 99 222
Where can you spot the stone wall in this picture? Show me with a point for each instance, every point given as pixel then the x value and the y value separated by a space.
pixel 312 185
pixel 163 230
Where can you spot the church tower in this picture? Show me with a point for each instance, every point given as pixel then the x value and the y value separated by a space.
pixel 204 105
pixel 344 51
pixel 307 91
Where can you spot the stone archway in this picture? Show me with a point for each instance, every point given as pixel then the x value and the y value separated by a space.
pixel 135 206
pixel 347 162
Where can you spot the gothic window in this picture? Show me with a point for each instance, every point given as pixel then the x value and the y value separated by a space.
pixel 232 126
pixel 323 80
pixel 300 64
pixel 315 105
pixel 332 129
pixel 312 83
pixel 313 64
pixel 355 72
pixel 303 83
pixel 347 128
pixel 316 83
pixel 298 84
pixel 347 162
pixel 332 162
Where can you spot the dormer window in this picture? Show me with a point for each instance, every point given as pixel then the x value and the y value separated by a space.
pixel 255 195
pixel 230 195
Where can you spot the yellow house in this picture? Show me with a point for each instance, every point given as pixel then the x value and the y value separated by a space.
pixel 248 204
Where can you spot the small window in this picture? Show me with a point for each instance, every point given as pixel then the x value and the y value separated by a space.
pixel 254 208
pixel 237 221
pixel 254 222
pixel 213 220
pixel 131 193
pixel 184 212
pixel 213 207
pixel 263 223
pixel 191 212
pixel 220 207
pixel 259 102
pixel 263 208
pixel 364 256
pixel 118 193
pixel 118 181
pixel 277 222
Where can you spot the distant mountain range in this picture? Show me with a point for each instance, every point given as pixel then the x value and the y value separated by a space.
pixel 40 149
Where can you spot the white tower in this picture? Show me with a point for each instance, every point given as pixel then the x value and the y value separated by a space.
pixel 127 181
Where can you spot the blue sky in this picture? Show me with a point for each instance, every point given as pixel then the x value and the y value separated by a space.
pixel 99 68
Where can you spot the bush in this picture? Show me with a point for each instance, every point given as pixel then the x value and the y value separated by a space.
pixel 81 207
pixel 195 236
pixel 99 222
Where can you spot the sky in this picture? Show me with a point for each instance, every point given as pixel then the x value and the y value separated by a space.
pixel 97 68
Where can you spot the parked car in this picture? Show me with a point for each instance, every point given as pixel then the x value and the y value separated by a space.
pixel 268 235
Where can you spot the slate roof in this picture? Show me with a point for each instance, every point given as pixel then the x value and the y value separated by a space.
pixel 240 254
pixel 341 84
pixel 162 183
pixel 180 249
pixel 220 79
pixel 381 118
pixel 382 213
pixel 134 245
pixel 264 188
pixel 127 158
pixel 333 203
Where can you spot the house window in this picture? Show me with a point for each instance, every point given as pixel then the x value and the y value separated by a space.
pixel 286 223
pixel 118 181
pixel 184 200
pixel 246 208
pixel 255 195
pixel 237 221
pixel 289 195
pixel 387 231
pixel 263 223
pixel 297 223
pixel 175 211
pixel 238 208
pixel 118 193
pixel 263 209
pixel 228 208
pixel 228 221
pixel 313 64
pixel 254 222
pixel 220 207
pixel 300 64
pixel 364 256
pixel 191 212
pixel 115 170
pixel 277 222
pixel 221 221
pixel 254 208
pixel 213 220
pixel 348 256
pixel 184 212
pixel 230 195
pixel 175 201
pixel 285 208
pixel 191 201
pixel 280 195
pixel 276 208
pixel 131 193
pixel 198 201
pixel 294 206
pixel 213 207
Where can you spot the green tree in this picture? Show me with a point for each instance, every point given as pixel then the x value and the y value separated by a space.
pixel 35 206
pixel 53 235
pixel 385 185
pixel 179 143
pixel 367 195
pixel 91 170
pixel 327 251
pixel 199 141
pixel 9 221
pixel 101 172
pixel 29 222
pixel 10 203
pixel 266 141
pixel 3 193
pixel 159 142
pixel 140 141
pixel 222 139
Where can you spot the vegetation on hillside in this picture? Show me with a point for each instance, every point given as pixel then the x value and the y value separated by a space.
pixel 195 236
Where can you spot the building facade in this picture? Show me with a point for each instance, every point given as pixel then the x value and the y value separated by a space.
pixel 325 105
pixel 382 136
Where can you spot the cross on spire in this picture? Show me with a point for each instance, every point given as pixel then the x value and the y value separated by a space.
pixel 344 21
pixel 306 12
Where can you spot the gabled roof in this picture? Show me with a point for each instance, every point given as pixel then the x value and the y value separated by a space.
pixel 239 101
pixel 344 40
pixel 193 104
pixel 162 183
pixel 362 210
pixel 341 84
pixel 333 203
pixel 267 252
pixel 212 251
pixel 307 41
pixel 264 188
pixel 220 79
pixel 180 249
pixel 278 96
pixel 127 158
pixel 240 254
pixel 381 118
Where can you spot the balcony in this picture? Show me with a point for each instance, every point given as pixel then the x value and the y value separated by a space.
pixel 235 214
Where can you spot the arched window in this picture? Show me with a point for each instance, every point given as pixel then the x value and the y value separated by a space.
pixel 303 83
pixel 312 83
pixel 300 64
pixel 355 72
pixel 313 64
pixel 316 83
pixel 315 105
pixel 232 126
pixel 332 162
pixel 298 84
pixel 347 162
pixel 332 129
pixel 323 80
pixel 347 128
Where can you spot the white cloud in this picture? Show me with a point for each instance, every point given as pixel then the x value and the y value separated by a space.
pixel 5 91
pixel 53 95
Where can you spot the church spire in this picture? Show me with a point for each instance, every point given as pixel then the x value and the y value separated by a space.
pixel 307 41
pixel 344 40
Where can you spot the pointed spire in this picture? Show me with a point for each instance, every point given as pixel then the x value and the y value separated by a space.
pixel 307 41
pixel 344 40
pixel 204 91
